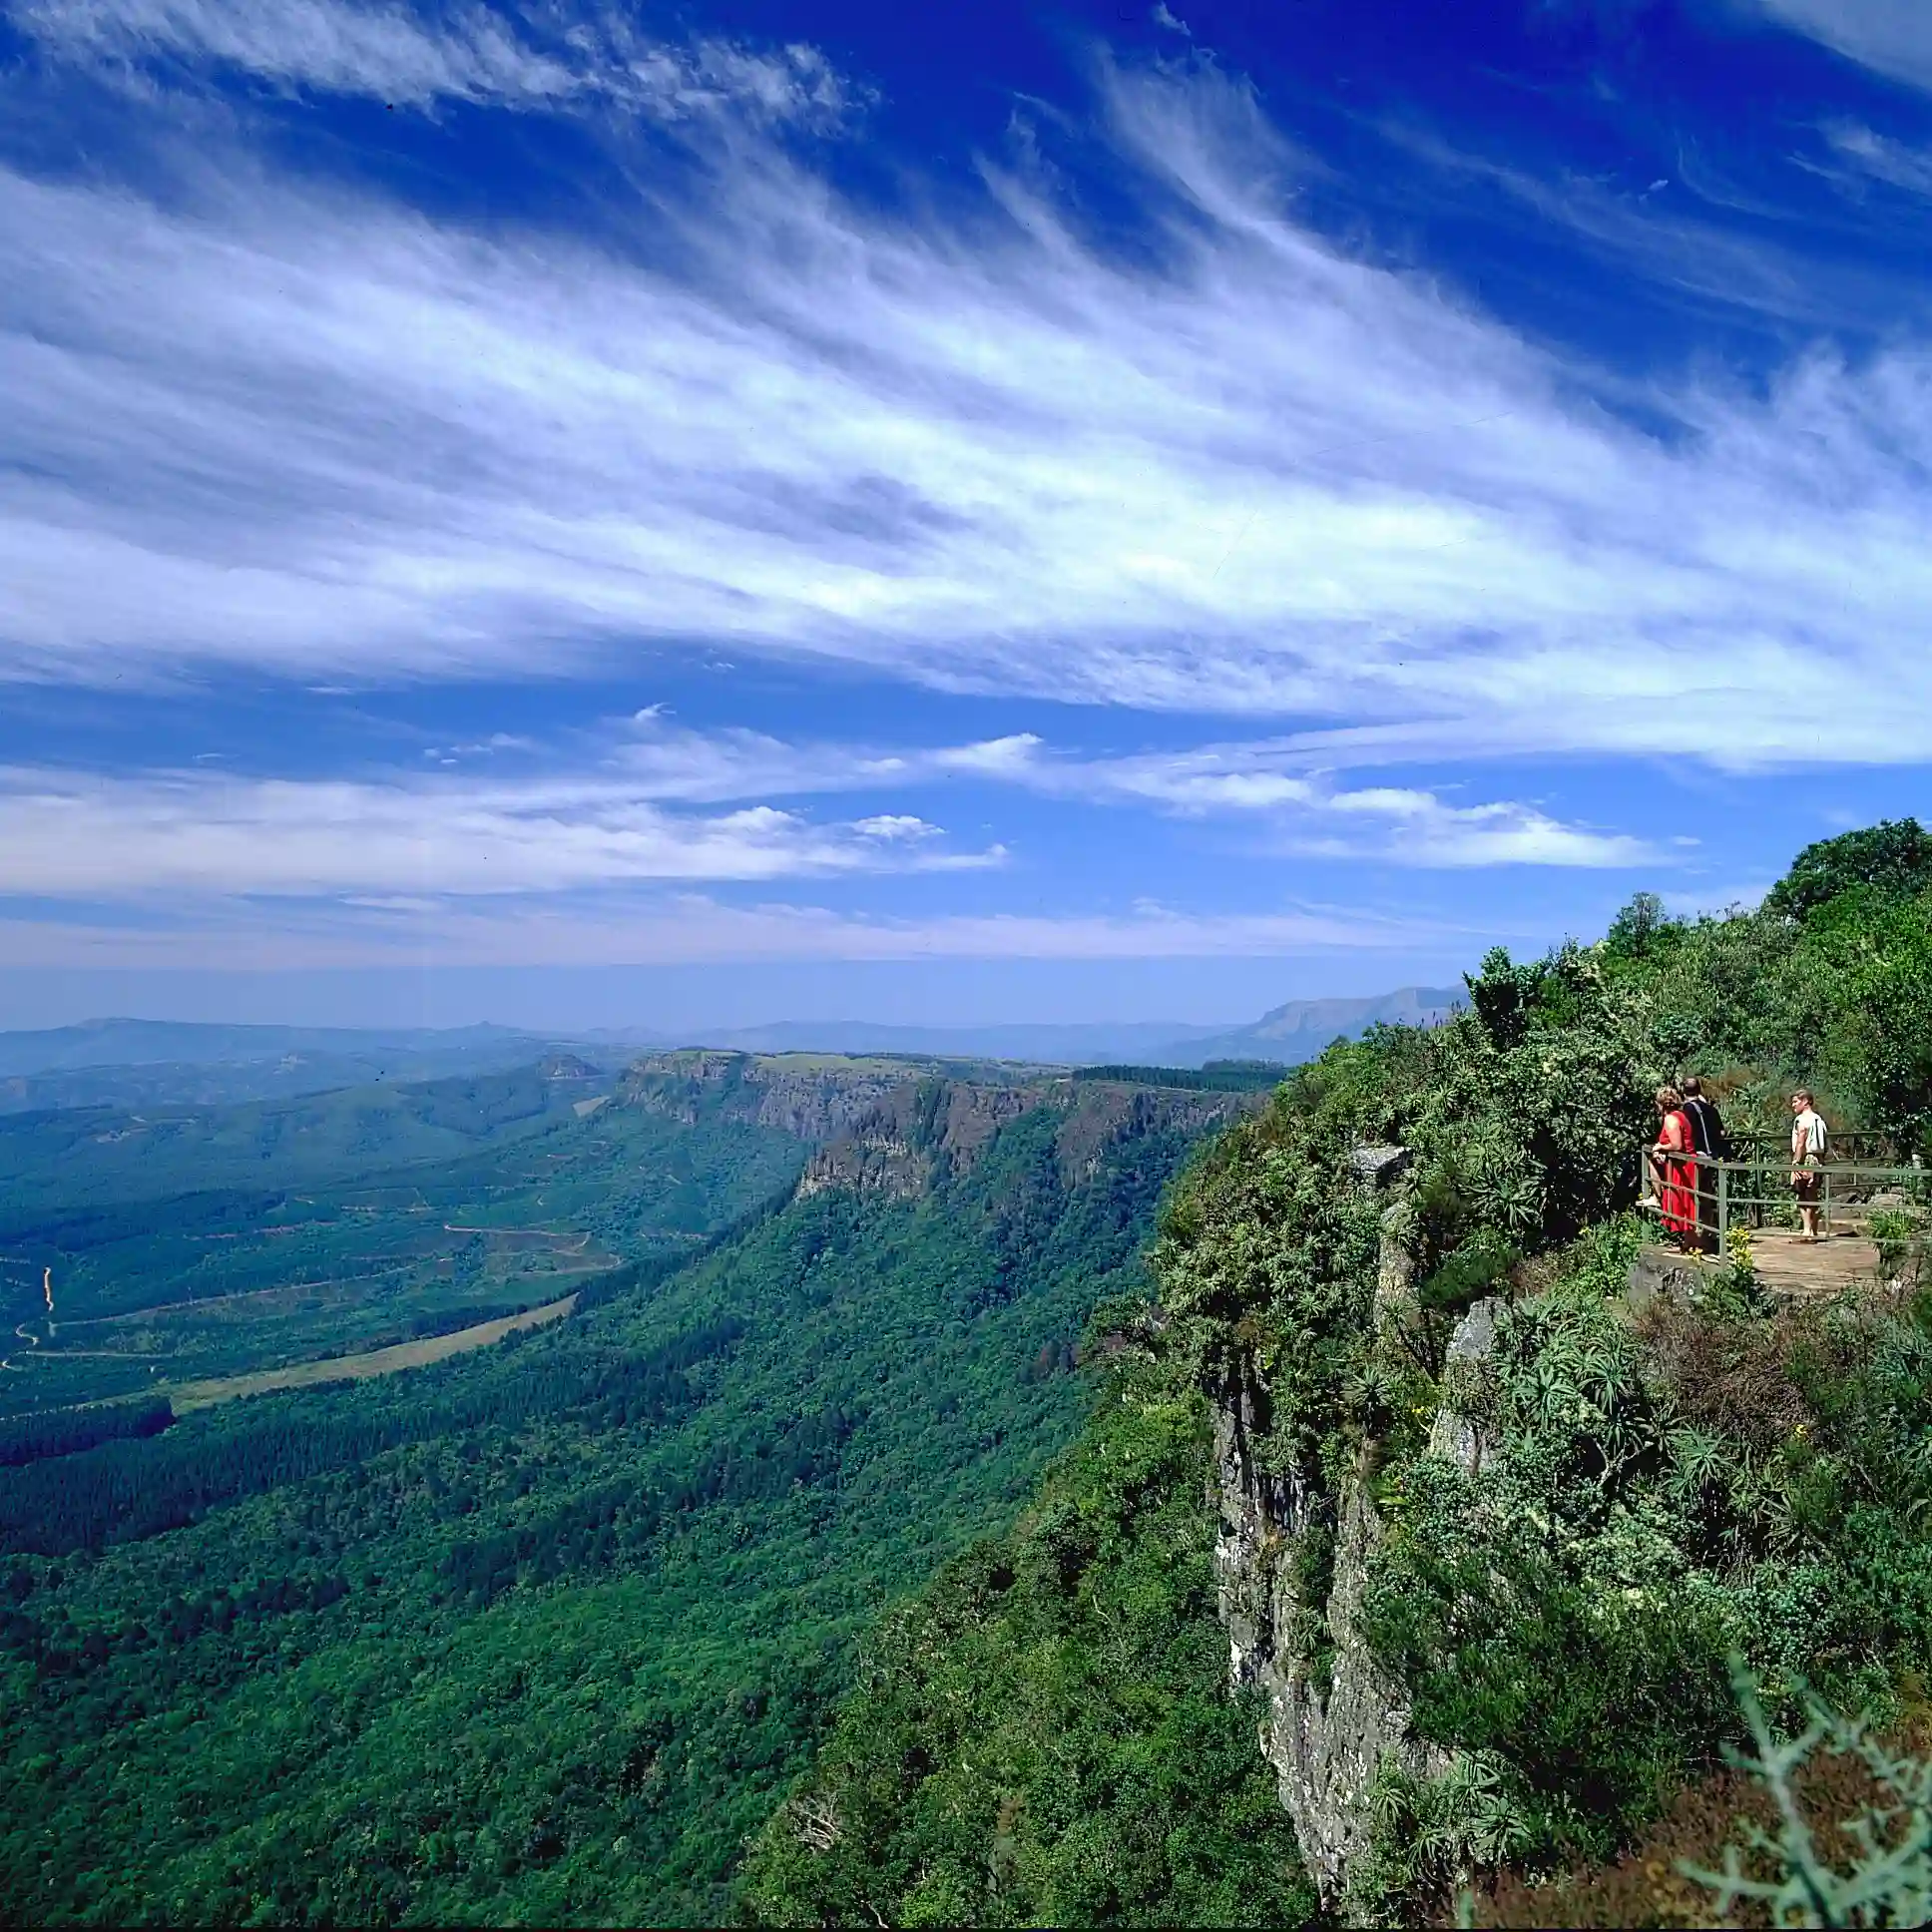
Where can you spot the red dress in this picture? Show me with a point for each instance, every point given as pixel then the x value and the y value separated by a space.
pixel 1678 1197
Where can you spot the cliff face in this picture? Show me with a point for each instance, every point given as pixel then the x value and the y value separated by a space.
pixel 1099 1112
pixel 1333 1719
pixel 894 1129
pixel 916 1131
pixel 813 1097
pixel 923 1131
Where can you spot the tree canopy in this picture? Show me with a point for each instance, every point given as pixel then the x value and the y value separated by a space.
pixel 1894 857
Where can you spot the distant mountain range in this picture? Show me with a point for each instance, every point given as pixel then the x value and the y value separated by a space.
pixel 1299 1029
pixel 1066 1045
pixel 128 1062
pixel 140 1043
pixel 1287 1035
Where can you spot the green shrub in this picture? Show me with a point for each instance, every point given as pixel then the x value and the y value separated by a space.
pixel 1895 1232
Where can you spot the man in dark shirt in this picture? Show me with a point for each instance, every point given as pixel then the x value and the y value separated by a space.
pixel 1708 1139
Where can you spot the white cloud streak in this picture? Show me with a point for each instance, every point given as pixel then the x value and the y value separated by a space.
pixel 470 53
pixel 634 817
pixel 1893 37
pixel 203 834
pixel 689 929
pixel 312 434
pixel 1310 812
pixel 1880 157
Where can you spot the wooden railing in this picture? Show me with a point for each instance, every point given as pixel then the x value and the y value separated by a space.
pixel 1856 1144
pixel 1743 1193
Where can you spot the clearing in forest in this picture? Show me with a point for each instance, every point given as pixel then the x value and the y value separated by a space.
pixel 356 1368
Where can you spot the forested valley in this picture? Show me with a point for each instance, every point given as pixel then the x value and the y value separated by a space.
pixel 537 1635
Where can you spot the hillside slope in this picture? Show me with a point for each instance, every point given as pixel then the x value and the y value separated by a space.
pixel 99 1154
pixel 1484 1531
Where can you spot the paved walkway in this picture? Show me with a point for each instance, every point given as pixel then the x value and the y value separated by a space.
pixel 1800 1271
pixel 1789 1270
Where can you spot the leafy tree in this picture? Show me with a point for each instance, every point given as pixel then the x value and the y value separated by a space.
pixel 1874 955
pixel 1642 929
pixel 1893 857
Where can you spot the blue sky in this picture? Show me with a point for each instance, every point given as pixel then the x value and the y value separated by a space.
pixel 625 513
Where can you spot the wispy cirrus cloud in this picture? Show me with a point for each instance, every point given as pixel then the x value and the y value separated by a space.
pixel 649 810
pixel 1284 781
pixel 311 432
pixel 1880 157
pixel 660 760
pixel 523 59
pixel 1280 781
pixel 1893 37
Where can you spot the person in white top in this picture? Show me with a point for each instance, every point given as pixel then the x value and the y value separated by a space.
pixel 1808 1142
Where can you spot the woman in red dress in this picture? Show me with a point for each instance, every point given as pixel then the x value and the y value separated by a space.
pixel 1675 1169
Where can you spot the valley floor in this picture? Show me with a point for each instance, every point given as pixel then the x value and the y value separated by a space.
pixel 356 1368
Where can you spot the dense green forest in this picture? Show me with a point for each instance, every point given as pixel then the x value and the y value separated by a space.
pixel 1045 1737
pixel 536 1636
pixel 1217 1075
pixel 1650 1500
pixel 198 1243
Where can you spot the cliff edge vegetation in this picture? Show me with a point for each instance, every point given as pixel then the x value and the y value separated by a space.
pixel 1476 1540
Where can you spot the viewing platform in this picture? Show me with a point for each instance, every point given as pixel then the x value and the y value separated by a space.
pixel 1789 1269
pixel 1756 1194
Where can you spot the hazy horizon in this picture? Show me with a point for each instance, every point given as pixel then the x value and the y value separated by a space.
pixel 606 999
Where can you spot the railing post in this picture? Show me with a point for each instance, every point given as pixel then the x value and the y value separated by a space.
pixel 1723 1206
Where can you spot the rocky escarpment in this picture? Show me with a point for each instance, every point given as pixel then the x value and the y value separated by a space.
pixel 811 1096
pixel 1099 1112
pixel 925 1131
pixel 1293 1564
pixel 916 1133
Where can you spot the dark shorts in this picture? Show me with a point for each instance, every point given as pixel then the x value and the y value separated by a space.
pixel 1805 1183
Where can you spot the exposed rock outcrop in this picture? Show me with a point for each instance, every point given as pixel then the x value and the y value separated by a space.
pixel 1333 1719
pixel 918 1131
pixel 1330 1719
pixel 867 1165
pixel 1457 1433
pixel 567 1066
pixel 1662 1273
pixel 924 1131
pixel 808 1095
pixel 1099 1112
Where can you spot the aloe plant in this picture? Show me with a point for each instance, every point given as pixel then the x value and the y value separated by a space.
pixel 1890 1881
